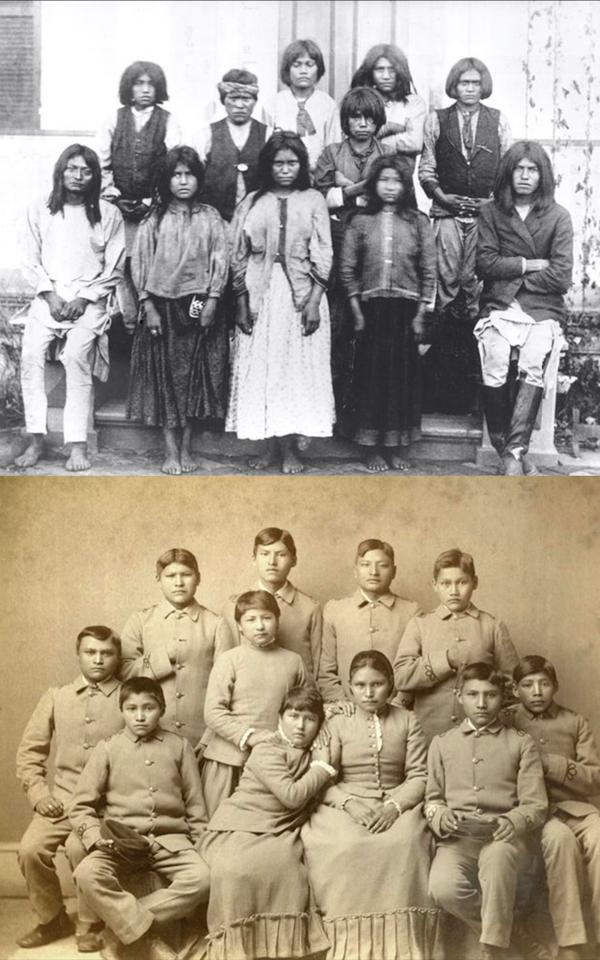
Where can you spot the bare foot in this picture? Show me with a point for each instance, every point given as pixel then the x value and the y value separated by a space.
pixel 32 452
pixel 172 466
pixel 188 464
pixel 376 463
pixel 78 459
pixel 291 462
pixel 266 458
pixel 303 443
pixel 398 462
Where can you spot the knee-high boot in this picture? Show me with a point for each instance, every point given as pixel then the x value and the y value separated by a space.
pixel 497 409
pixel 522 422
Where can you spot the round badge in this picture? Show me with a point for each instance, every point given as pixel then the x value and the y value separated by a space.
pixel 242 167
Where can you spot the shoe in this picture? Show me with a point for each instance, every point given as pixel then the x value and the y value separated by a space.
pixel 527 944
pixel 497 409
pixel 512 467
pixel 529 467
pixel 89 942
pixel 57 929
pixel 113 949
pixel 523 417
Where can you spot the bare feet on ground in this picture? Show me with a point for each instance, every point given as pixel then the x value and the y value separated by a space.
pixel 78 459
pixel 376 463
pixel 32 453
pixel 172 466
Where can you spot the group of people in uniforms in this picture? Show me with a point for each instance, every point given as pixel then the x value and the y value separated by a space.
pixel 299 235
pixel 334 783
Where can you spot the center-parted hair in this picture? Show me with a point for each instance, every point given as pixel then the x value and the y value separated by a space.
pixel 503 187
pixel 58 195
pixel 256 600
pixel 362 102
pixel 304 698
pixel 136 70
pixel 363 77
pixel 377 661
pixel 462 66
pixel 372 544
pixel 534 664
pixel 135 685
pixel 177 555
pixel 298 48
pixel 100 633
pixel 454 558
pixel 269 535
pixel 281 140
pixel 189 157
pixel 406 202
pixel 482 671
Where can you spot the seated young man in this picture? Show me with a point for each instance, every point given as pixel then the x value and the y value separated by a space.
pixel 147 779
pixel 485 794
pixel 571 836
pixel 74 718
pixel 74 249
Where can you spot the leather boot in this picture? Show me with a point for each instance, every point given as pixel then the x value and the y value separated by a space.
pixel 56 929
pixel 496 406
pixel 522 422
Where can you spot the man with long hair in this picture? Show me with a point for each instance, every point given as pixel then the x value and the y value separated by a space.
pixel 73 253
pixel 525 259
pixel 462 147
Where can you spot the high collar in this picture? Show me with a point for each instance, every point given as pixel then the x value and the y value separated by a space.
pixel 495 726
pixel 192 610
pixel 388 599
pixel 444 613
pixel 105 686
pixel 287 592
pixel 550 714
pixel 157 734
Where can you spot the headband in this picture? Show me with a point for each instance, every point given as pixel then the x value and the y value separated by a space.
pixel 226 87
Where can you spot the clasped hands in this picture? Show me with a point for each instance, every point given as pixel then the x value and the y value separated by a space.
pixel 450 822
pixel 61 309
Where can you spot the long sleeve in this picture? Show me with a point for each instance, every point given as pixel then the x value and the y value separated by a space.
pixel 321 250
pixel 350 260
pixel 135 661
pixel 240 245
pixel 412 669
pixel 271 769
pixel 87 796
pixel 191 791
pixel 410 140
pixel 114 255
pixel 428 261
pixel 557 277
pixel 218 714
pixel 412 790
pixel 505 656
pixel 531 791
pixel 504 134
pixel 329 681
pixel 333 129
pixel 435 791
pixel 324 179
pixel 491 265
pixel 218 257
pixel 316 638
pixel 103 148
pixel 142 255
pixel 428 173
pixel 34 749
pixel 580 775
pixel 31 252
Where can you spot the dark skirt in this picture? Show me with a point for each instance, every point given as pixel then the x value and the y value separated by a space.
pixel 386 376
pixel 182 374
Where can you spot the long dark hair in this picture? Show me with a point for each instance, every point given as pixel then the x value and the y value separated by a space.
pixel 503 187
pixel 362 101
pixel 136 70
pixel 56 200
pixel 406 203
pixel 363 76
pixel 281 140
pixel 190 158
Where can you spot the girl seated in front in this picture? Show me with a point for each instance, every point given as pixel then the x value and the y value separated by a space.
pixel 367 846
pixel 179 265
pixel 281 381
pixel 246 688
pixel 260 902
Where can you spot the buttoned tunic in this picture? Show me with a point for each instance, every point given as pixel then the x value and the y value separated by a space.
pixel 144 641
pixel 421 667
pixel 149 783
pixel 356 623
pixel 76 716
pixel 493 771
pixel 300 624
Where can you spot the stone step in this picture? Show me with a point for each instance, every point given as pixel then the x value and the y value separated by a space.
pixel 445 437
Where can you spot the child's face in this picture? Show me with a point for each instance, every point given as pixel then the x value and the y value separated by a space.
pixel 374 572
pixel 384 76
pixel 141 713
pixel 98 659
pixel 303 73
pixel 370 689
pixel 361 127
pixel 300 726
pixel 481 701
pixel 274 562
pixel 454 588
pixel 536 691
pixel 143 92
pixel 178 584
pixel 259 627
pixel 239 107
pixel 389 187
pixel 183 184
pixel 286 168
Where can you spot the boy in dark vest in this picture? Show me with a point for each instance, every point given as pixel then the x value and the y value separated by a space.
pixel 462 147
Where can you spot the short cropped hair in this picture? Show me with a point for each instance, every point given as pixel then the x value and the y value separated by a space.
pixel 534 664
pixel 275 535
pixel 404 81
pixel 469 63
pixel 362 101
pixel 294 50
pixel 304 698
pixel 366 545
pixel 377 661
pixel 129 688
pixel 101 633
pixel 238 76
pixel 256 600
pixel 454 558
pixel 503 187
pixel 281 140
pixel 177 555
pixel 136 70
pixel 482 671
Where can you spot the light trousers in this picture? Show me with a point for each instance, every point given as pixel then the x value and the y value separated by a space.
pixel 456 244
pixel 37 851
pixel 534 342
pixel 571 850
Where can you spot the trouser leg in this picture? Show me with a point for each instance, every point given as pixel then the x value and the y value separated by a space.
pixel 77 359
pixel 36 855
pixel 565 876
pixel 36 338
pixel 449 242
pixel 587 832
pixel 453 881
pixel 98 882
pixel 468 279
pixel 76 852
pixel 189 882
pixel 499 863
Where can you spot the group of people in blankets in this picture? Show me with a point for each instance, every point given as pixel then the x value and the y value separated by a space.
pixel 252 228
pixel 333 785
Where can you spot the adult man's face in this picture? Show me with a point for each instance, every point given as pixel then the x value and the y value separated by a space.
pixel 468 88
pixel 77 177
pixel 525 178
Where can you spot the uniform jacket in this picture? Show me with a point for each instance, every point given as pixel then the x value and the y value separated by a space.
pixel 505 240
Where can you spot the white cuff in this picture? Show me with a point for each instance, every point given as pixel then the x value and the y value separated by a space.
pixel 326 766
pixel 248 733
pixel 524 267
pixel 392 803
